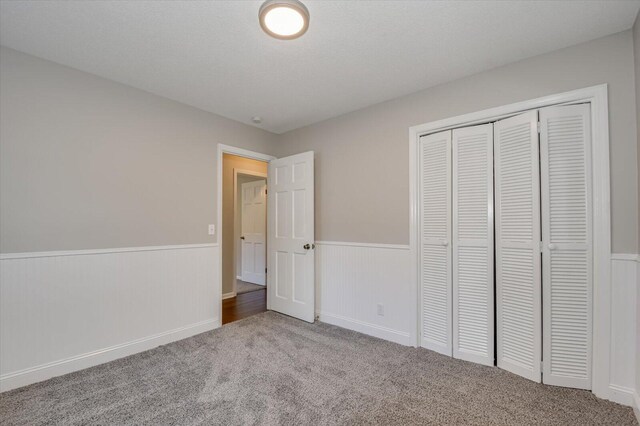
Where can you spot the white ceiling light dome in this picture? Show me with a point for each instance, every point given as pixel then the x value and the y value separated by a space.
pixel 284 19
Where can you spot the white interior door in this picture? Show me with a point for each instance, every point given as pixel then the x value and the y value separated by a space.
pixel 473 317
pixel 518 258
pixel 435 236
pixel 291 258
pixel 253 229
pixel 565 134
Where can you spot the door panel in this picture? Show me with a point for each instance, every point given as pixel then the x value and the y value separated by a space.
pixel 473 317
pixel 566 244
pixel 291 255
pixel 435 237
pixel 518 259
pixel 253 226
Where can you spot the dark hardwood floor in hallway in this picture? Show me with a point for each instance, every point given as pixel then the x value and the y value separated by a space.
pixel 244 305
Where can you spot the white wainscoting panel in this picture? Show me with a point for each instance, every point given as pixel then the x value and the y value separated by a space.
pixel 352 279
pixel 623 328
pixel 65 311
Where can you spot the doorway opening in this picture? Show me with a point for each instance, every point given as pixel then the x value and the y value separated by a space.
pixel 244 222
pixel 289 236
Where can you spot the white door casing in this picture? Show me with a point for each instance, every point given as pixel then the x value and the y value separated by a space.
pixel 435 238
pixel 472 243
pixel 518 259
pixel 291 240
pixel 565 159
pixel 253 231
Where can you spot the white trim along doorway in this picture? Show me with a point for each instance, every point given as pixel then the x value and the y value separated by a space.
pixel 290 230
pixel 240 152
pixel 596 96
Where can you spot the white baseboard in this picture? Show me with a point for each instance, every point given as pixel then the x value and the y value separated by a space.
pixel 621 395
pixel 636 406
pixel 229 295
pixel 80 362
pixel 366 328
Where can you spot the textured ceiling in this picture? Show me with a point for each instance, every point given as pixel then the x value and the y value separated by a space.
pixel 214 56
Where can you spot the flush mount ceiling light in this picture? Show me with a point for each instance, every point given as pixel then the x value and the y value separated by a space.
pixel 284 19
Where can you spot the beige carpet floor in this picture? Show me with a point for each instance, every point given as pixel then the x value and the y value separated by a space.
pixel 274 370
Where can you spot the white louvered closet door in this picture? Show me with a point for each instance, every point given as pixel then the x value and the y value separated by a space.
pixel 473 318
pixel 566 239
pixel 435 236
pixel 517 216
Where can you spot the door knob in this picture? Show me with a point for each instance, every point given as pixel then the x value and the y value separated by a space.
pixel 306 246
pixel 445 243
pixel 552 246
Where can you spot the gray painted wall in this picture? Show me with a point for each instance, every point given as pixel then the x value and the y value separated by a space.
pixel 362 179
pixel 88 163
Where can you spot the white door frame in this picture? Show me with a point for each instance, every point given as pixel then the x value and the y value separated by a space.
pixel 237 172
pixel 601 310
pixel 240 152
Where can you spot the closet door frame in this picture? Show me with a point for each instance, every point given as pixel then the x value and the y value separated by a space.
pixel 597 96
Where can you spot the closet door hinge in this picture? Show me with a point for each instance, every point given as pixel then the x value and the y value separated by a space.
pixel 538 127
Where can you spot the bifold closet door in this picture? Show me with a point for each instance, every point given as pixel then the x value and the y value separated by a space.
pixel 518 269
pixel 435 236
pixel 565 133
pixel 473 318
